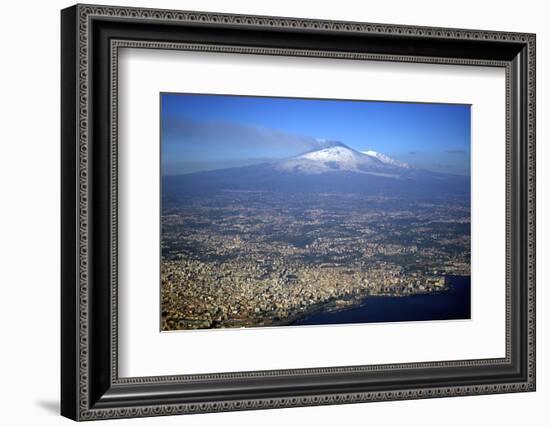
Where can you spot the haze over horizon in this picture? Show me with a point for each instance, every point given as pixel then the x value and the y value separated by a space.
pixel 210 132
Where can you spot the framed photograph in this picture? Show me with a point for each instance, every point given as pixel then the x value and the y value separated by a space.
pixel 263 212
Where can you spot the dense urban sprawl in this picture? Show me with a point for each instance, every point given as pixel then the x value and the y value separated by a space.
pixel 251 258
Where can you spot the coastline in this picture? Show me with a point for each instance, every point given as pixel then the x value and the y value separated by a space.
pixel 331 308
pixel 344 310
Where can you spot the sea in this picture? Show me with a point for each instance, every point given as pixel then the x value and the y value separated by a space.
pixel 455 303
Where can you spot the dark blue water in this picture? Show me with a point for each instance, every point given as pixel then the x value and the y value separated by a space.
pixel 451 304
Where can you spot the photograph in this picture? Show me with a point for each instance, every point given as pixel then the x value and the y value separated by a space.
pixel 280 211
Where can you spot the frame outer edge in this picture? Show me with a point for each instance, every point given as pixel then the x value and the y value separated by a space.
pixel 81 141
pixel 69 221
pixel 531 200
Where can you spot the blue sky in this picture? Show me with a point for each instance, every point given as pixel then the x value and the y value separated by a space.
pixel 206 132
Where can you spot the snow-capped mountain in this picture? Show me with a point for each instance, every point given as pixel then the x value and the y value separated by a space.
pixel 385 159
pixel 337 157
pixel 331 167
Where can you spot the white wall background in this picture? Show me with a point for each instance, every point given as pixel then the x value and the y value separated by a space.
pixel 29 212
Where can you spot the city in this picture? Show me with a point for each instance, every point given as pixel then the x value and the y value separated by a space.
pixel 244 258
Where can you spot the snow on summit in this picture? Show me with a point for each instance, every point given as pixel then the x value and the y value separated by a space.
pixel 335 153
pixel 335 156
pixel 385 159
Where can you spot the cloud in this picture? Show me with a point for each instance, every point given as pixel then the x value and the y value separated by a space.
pixel 229 135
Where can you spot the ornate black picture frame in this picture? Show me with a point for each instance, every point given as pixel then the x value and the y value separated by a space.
pixel 91 36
